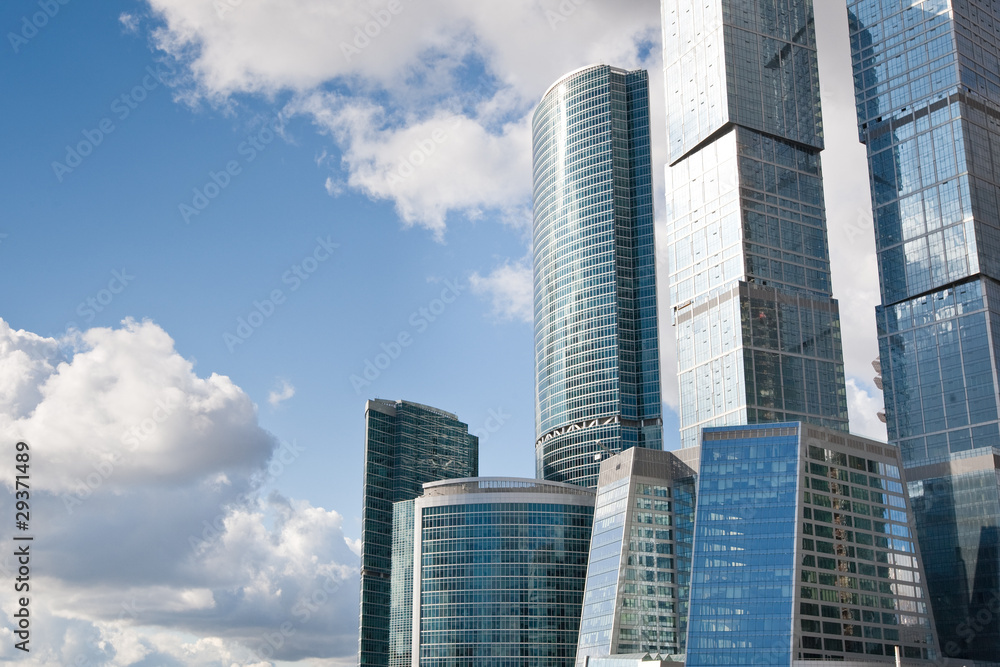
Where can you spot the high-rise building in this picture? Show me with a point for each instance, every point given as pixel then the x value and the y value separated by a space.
pixel 804 550
pixel 406 445
pixel 758 331
pixel 640 557
pixel 597 364
pixel 498 569
pixel 927 85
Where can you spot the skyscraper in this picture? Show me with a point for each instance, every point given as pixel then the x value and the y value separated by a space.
pixel 758 331
pixel 498 570
pixel 596 352
pixel 804 550
pixel 406 445
pixel 928 102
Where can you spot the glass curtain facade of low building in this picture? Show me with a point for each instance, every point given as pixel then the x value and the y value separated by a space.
pixel 406 444
pixel 640 557
pixel 804 549
pixel 927 84
pixel 501 572
pixel 597 364
pixel 758 332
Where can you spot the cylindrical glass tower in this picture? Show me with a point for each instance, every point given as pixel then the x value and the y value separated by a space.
pixel 499 572
pixel 597 364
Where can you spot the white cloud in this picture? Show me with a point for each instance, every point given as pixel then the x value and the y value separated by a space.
pixel 510 289
pixel 280 45
pixel 125 400
pixel 435 66
pixel 130 22
pixel 848 203
pixel 863 406
pixel 416 165
pixel 158 548
pixel 281 393
pixel 332 187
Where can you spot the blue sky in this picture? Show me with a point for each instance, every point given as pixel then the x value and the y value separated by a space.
pixel 217 214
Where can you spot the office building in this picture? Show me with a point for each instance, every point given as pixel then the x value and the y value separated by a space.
pixel 406 445
pixel 498 569
pixel 927 86
pixel 758 332
pixel 804 550
pixel 640 558
pixel 596 350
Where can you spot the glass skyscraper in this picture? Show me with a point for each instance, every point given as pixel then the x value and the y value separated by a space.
pixel 640 557
pixel 596 352
pixel 406 445
pixel 927 84
pixel 758 332
pixel 804 550
pixel 498 572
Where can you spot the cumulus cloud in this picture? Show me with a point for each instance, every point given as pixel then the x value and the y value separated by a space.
pixel 416 165
pixel 126 400
pixel 510 289
pixel 157 547
pixel 429 105
pixel 278 45
pixel 281 393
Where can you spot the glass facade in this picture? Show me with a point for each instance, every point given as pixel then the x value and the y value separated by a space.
pixel 401 591
pixel 639 569
pixel 927 85
pixel 406 445
pixel 502 565
pixel 956 510
pixel 804 549
pixel 601 592
pixel 596 350
pixel 743 574
pixel 758 332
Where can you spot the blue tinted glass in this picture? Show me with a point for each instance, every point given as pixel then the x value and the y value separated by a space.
pixel 743 567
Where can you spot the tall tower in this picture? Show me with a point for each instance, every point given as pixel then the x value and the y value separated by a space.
pixel 597 362
pixel 758 330
pixel 406 445
pixel 928 102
